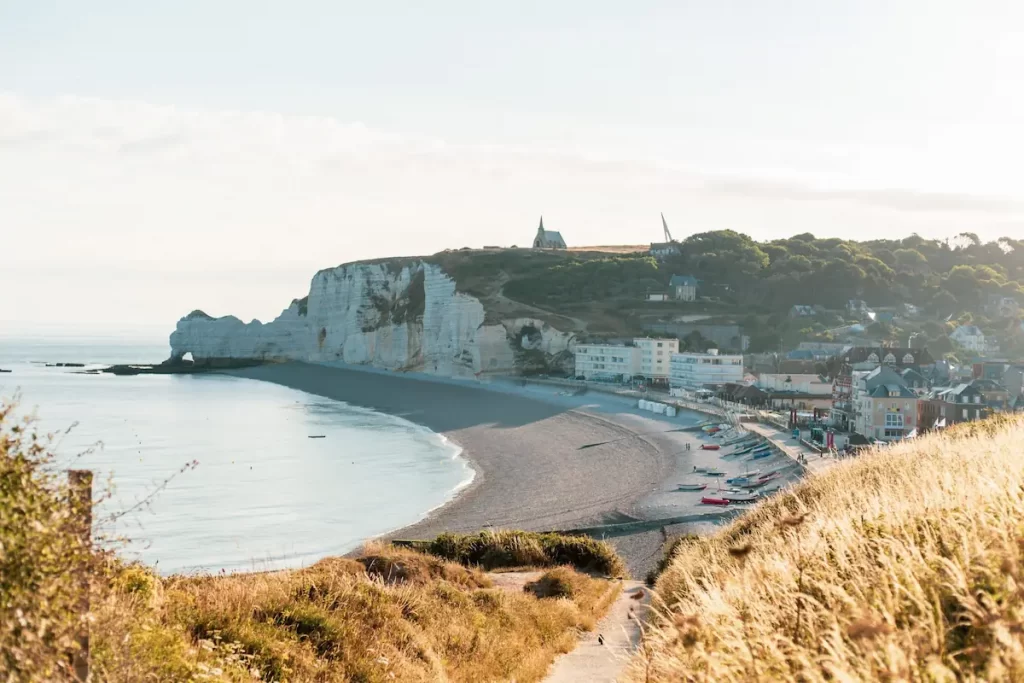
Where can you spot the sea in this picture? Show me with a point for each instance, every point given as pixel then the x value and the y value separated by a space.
pixel 210 473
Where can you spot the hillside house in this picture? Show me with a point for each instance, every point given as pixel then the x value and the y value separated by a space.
pixel 547 239
pixel 800 311
pixel 1002 306
pixel 859 310
pixel 684 287
pixel 969 337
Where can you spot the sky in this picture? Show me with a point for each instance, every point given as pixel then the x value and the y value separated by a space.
pixel 160 157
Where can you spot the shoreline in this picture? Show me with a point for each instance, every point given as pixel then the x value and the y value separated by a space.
pixel 523 444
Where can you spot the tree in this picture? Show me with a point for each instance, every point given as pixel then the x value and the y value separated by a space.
pixel 910 259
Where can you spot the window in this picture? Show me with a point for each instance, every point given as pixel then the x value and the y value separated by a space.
pixel 965 413
pixel 890 359
pixel 977 399
pixel 893 433
pixel 908 359
pixel 659 345
pixel 873 358
pixel 893 420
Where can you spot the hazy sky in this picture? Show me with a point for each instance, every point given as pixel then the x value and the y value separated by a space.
pixel 157 157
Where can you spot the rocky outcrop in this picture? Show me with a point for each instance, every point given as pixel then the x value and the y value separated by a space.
pixel 406 316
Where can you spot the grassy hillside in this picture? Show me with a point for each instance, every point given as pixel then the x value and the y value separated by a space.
pixel 904 565
pixel 391 615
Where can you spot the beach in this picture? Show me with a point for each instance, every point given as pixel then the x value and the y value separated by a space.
pixel 524 442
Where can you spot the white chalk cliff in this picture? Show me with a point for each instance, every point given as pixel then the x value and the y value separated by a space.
pixel 407 317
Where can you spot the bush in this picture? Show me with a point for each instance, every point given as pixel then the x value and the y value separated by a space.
pixel 41 555
pixel 506 549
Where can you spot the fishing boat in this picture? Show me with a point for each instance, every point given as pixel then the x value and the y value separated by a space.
pixel 709 500
pixel 691 487
pixel 709 447
pixel 763 454
pixel 701 470
pixel 317 436
pixel 744 478
pixel 714 473
pixel 740 497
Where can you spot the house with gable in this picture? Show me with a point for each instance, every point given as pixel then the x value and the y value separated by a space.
pixel 684 287
pixel 969 337
pixel 885 407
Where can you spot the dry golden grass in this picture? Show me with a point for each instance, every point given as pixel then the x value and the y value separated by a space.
pixel 392 615
pixel 902 565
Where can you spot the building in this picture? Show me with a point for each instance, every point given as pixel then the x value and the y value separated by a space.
pixel 969 337
pixel 887 412
pixel 864 368
pixel 869 357
pixel 810 384
pixel 696 370
pixel 547 239
pixel 950 405
pixel 656 296
pixel 1002 306
pixel 684 287
pixel 915 380
pixel 993 394
pixel 859 310
pixel 655 357
pixel 661 250
pixel 607 361
pixel 800 311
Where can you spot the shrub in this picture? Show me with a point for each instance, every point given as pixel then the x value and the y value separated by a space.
pixel 41 556
pixel 506 549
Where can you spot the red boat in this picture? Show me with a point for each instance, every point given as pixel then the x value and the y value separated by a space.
pixel 710 446
pixel 708 500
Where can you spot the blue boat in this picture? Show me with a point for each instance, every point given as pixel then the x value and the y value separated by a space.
pixel 757 456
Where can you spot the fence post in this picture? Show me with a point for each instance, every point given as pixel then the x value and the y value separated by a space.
pixel 80 483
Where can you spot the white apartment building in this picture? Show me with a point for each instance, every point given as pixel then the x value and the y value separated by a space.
pixel 607 361
pixel 655 356
pixel 695 370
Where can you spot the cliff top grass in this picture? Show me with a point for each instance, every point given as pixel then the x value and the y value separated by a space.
pixel 902 565
pixel 393 614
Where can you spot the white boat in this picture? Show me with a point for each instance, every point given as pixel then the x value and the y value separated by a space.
pixel 714 473
pixel 691 487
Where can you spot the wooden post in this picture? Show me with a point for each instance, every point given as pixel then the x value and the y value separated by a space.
pixel 80 483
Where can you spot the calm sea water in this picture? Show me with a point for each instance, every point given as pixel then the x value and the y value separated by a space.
pixel 264 495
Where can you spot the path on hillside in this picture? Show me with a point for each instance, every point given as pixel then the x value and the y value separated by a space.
pixel 593 662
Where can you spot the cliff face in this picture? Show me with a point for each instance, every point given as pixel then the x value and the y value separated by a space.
pixel 407 317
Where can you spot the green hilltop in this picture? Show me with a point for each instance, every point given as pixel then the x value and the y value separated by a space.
pixel 601 293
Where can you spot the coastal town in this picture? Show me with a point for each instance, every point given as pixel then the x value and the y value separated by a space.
pixel 848 384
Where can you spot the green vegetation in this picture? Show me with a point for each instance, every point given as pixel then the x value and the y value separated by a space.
pixel 904 564
pixel 579 281
pixel 391 615
pixel 503 549
pixel 755 284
